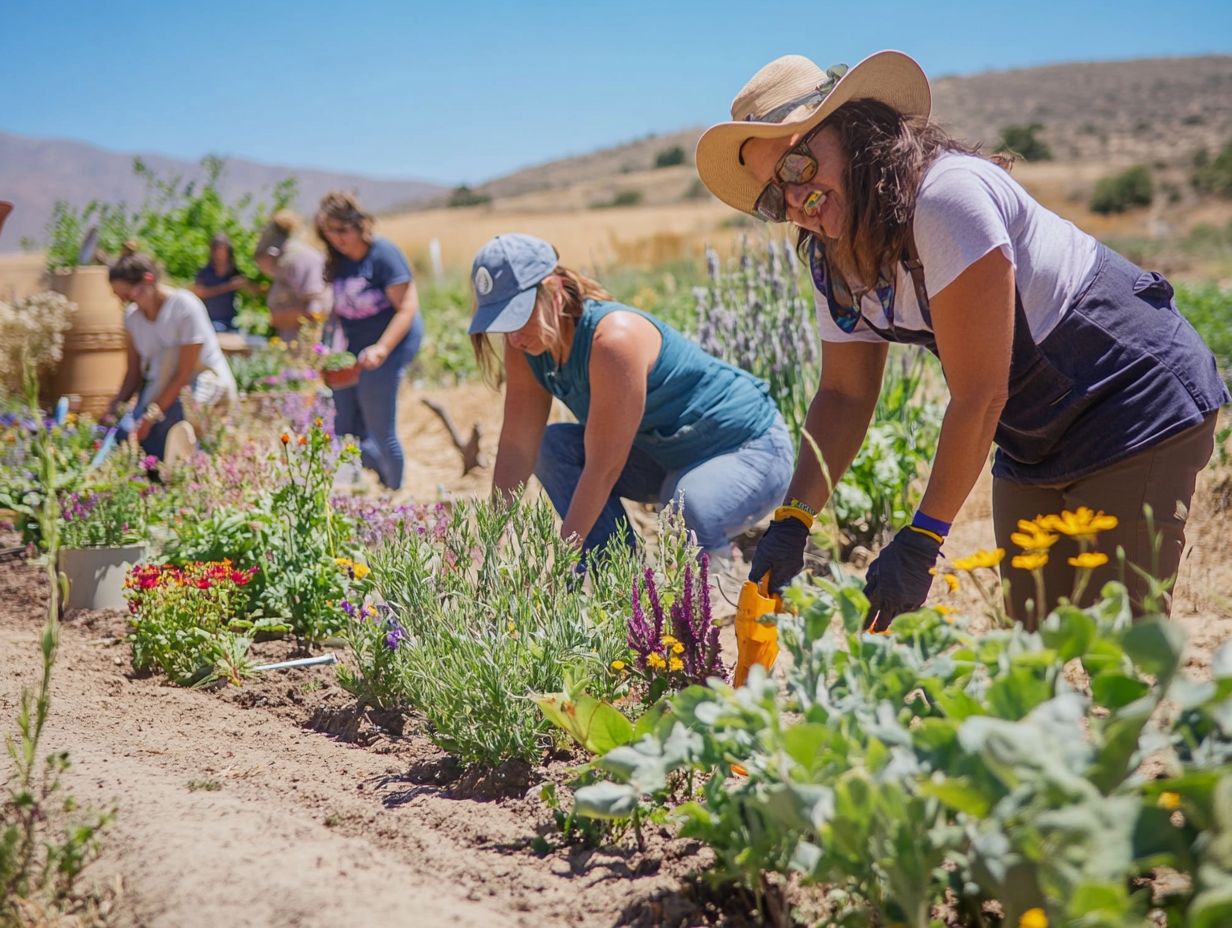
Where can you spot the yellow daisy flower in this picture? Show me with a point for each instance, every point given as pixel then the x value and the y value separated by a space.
pixel 988 559
pixel 1033 918
pixel 1030 561
pixel 1081 523
pixel 618 665
pixel 1089 560
pixel 1033 536
pixel 676 664
pixel 1170 801
pixel 655 661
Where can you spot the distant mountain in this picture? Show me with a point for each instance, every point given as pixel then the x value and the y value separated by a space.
pixel 34 173
pixel 1113 112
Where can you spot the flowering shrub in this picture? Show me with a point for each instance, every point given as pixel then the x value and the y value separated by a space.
pixel 479 617
pixel 185 619
pixel 33 328
pixel 115 513
pixel 375 521
pixel 679 646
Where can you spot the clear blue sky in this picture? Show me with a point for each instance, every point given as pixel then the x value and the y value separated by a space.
pixel 464 91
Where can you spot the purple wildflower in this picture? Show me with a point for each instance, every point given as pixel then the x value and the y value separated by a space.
pixel 395 636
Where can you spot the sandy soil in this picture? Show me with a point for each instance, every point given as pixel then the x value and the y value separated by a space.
pixel 275 805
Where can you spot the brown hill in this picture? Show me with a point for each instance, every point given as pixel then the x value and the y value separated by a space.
pixel 1151 111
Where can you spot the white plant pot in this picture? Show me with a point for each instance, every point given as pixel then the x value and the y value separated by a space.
pixel 96 575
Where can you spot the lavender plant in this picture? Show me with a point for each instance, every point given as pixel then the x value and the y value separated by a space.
pixel 757 317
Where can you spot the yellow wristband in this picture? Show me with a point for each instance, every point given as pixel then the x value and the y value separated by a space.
pixel 793 512
pixel 923 531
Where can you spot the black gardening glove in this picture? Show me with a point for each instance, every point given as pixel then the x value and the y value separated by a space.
pixel 780 551
pixel 898 580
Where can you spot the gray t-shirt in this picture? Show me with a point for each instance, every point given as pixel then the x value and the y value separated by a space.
pixel 182 320
pixel 966 207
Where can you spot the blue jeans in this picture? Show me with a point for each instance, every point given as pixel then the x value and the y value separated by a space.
pixel 369 410
pixel 723 495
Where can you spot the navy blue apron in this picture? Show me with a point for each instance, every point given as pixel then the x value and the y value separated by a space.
pixel 1121 371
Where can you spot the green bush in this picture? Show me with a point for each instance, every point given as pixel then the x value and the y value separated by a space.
pixel 1213 176
pixel 1209 309
pixel 1023 141
pixel 620 198
pixel 174 224
pixel 1127 190
pixel 669 157
pixel 464 196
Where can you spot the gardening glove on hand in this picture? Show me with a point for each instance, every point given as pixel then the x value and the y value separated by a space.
pixel 781 552
pixel 898 580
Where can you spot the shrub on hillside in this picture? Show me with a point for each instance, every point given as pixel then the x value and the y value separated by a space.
pixel 464 196
pixel 1213 176
pixel 1023 141
pixel 1127 190
pixel 669 157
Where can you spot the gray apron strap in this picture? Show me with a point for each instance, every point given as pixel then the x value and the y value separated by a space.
pixel 915 267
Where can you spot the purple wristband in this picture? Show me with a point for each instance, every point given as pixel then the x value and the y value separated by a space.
pixel 930 524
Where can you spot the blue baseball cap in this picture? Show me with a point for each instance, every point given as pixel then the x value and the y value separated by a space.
pixel 505 274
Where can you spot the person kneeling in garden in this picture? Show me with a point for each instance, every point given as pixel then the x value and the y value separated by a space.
pixel 171 345
pixel 658 418
pixel 1075 362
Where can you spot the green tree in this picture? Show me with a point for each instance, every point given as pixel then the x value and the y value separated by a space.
pixel 174 224
pixel 1022 140
pixel 1117 193
pixel 463 195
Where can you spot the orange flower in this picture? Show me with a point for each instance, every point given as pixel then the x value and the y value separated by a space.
pixel 303 440
pixel 286 439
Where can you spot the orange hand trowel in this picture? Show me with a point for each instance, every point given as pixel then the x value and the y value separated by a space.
pixel 756 643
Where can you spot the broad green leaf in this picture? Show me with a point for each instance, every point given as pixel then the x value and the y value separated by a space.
pixel 803 741
pixel 960 794
pixel 649 720
pixel 1115 690
pixel 595 725
pixel 1069 631
pixel 1017 693
pixel 1155 647
pixel 605 800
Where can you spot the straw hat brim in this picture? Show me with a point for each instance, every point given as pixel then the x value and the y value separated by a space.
pixel 890 77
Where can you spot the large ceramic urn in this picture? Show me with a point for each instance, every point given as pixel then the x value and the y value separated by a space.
pixel 94 360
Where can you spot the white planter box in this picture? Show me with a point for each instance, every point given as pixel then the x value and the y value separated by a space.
pixel 96 575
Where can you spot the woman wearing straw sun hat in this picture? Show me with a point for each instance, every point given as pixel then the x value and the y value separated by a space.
pixel 658 418
pixel 1073 361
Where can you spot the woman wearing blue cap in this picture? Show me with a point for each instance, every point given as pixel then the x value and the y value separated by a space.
pixel 658 418
pixel 1073 361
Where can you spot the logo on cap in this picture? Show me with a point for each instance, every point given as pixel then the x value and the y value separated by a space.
pixel 483 282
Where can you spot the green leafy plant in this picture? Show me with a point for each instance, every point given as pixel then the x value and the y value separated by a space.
pixel 479 617
pixel 933 761
pixel 45 842
pixel 186 620
pixel 175 224
pixel 115 512
pixel 1024 141
pixel 338 361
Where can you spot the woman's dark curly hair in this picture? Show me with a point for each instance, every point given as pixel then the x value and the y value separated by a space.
pixel 887 156
pixel 342 207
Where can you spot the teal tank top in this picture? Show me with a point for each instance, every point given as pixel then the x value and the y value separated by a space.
pixel 696 405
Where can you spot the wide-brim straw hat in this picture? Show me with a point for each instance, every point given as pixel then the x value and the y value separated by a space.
pixel 791 95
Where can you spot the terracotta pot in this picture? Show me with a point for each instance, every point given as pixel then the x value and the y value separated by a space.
pixel 96 575
pixel 94 357
pixel 341 379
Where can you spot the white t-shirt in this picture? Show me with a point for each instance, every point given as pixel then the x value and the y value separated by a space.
pixel 966 207
pixel 182 320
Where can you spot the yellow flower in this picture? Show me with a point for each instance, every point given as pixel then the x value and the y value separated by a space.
pixel 276 342
pixel 943 610
pixel 1081 523
pixel 676 664
pixel 344 562
pixel 988 559
pixel 668 640
pixel 360 570
pixel 1030 561
pixel 655 661
pixel 511 628
pixel 677 648
pixel 1089 560
pixel 618 665
pixel 1170 801
pixel 1033 536
pixel 1033 918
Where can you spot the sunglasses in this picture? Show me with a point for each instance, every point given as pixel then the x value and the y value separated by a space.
pixel 797 166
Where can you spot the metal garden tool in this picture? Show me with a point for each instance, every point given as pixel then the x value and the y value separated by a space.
pixel 756 643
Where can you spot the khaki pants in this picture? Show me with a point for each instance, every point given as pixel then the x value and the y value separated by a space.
pixel 1162 477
